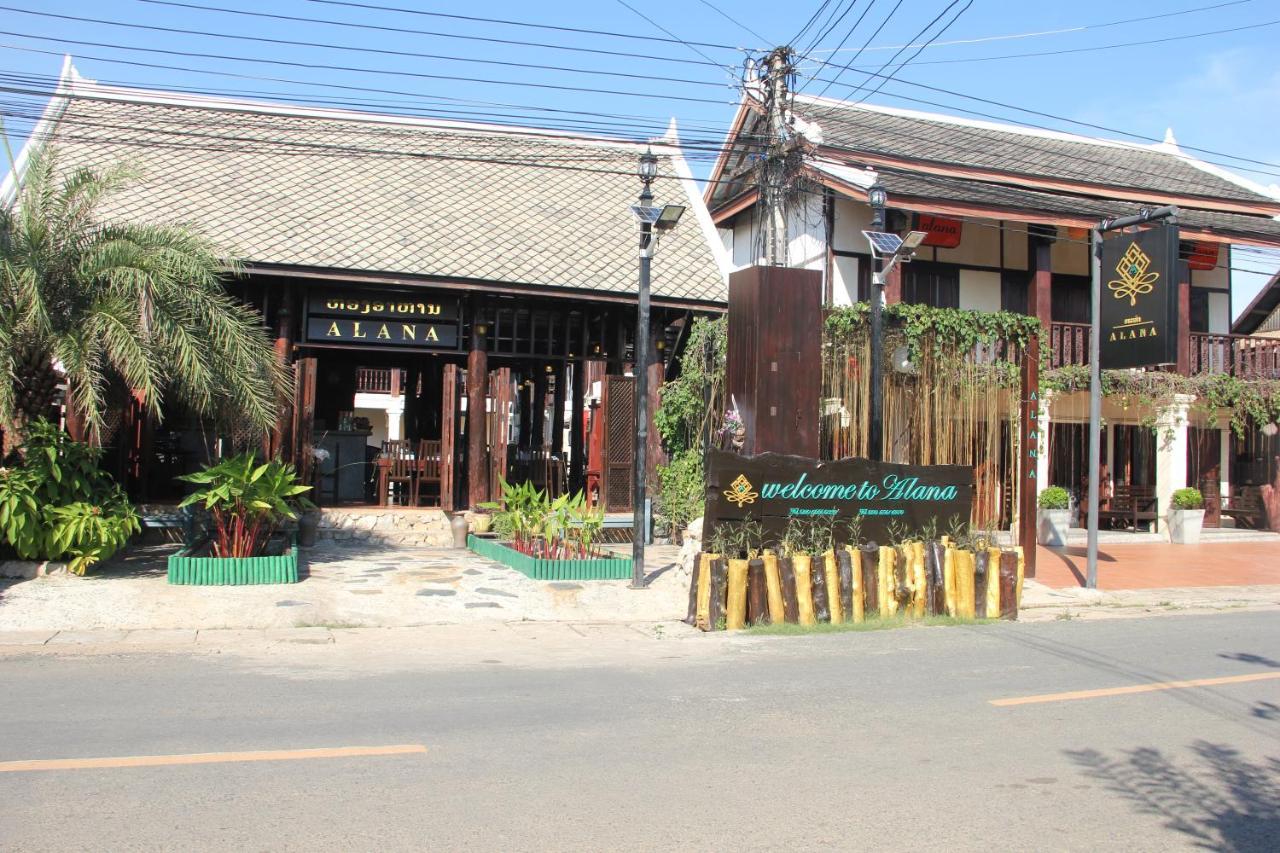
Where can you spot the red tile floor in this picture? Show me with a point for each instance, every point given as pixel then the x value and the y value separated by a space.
pixel 1153 566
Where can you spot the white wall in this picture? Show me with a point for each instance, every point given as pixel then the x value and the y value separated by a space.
pixel 980 290
pixel 851 220
pixel 844 285
pixel 979 245
pixel 807 234
pixel 1069 258
pixel 1219 313
pixel 1219 277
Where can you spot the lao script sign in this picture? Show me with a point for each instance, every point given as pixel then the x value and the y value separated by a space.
pixel 773 488
pixel 1139 317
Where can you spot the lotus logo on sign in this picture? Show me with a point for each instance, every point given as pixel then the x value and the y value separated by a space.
pixel 740 491
pixel 1139 319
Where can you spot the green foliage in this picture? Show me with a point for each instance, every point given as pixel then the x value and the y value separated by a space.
pixel 737 540
pixel 1188 498
pixel 812 536
pixel 58 505
pixel 246 501
pixel 1054 497
pixel 535 524
pixel 118 303
pixel 690 404
pixel 681 490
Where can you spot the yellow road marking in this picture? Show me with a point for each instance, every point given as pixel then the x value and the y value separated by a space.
pixel 209 758
pixel 1135 688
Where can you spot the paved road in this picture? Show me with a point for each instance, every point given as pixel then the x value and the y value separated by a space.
pixel 864 741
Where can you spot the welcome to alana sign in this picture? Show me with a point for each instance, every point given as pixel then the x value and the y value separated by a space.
pixel 773 488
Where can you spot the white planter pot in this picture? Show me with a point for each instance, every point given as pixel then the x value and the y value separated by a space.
pixel 1052 527
pixel 1185 525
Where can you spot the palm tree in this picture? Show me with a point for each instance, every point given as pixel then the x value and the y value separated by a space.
pixel 120 303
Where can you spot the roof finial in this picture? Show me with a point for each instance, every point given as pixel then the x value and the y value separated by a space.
pixel 1169 139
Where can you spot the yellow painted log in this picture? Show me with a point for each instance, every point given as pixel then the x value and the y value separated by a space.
pixel 888 584
pixel 833 587
pixel 966 566
pixel 703 620
pixel 921 590
pixel 859 611
pixel 773 586
pixel 735 616
pixel 803 565
pixel 993 583
pixel 949 579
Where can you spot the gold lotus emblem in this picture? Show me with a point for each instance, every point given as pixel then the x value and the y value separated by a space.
pixel 1134 279
pixel 740 492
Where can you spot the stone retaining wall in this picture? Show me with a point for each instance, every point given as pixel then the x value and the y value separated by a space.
pixel 385 526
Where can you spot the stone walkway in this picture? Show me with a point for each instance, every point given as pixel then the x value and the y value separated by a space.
pixel 343 587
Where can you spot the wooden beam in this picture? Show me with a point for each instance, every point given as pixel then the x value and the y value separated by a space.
pixel 1184 319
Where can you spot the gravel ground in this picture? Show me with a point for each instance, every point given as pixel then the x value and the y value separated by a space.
pixel 343 587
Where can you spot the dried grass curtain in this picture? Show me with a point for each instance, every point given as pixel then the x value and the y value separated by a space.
pixel 953 403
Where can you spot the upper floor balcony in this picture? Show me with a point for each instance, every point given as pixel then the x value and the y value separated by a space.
pixel 1244 356
pixel 380 380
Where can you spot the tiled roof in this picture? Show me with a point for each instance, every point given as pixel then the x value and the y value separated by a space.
pixel 395 197
pixel 949 189
pixel 1052 156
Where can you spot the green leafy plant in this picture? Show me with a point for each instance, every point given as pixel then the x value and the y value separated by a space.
pixel 1054 497
pixel 57 504
pixel 144 303
pixel 1188 498
pixel 560 529
pixel 246 500
pixel 681 491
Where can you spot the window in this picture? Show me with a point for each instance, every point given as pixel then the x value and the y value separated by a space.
pixel 1013 292
pixel 936 285
pixel 1071 298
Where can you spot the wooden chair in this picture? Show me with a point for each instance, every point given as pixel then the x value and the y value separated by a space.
pixel 1245 507
pixel 401 468
pixel 1131 504
pixel 428 467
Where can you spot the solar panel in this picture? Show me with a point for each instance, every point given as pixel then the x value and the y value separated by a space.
pixel 883 242
pixel 646 214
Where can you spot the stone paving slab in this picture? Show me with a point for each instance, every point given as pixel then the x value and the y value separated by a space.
pixel 162 637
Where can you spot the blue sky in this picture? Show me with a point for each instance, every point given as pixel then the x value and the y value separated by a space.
pixel 1217 91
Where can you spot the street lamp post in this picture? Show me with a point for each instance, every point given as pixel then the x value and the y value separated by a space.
pixel 648 170
pixel 654 222
pixel 877 198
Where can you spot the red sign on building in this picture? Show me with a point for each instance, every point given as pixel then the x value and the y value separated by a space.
pixel 939 231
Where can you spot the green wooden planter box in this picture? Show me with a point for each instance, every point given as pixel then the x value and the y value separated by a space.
pixel 604 568
pixel 233 571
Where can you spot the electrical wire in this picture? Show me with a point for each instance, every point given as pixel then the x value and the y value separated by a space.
pixel 713 7
pixel 880 72
pixel 433 33
pixel 854 58
pixel 795 39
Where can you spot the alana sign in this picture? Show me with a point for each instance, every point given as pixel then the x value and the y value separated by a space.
pixel 396 319
pixel 1139 317
pixel 773 488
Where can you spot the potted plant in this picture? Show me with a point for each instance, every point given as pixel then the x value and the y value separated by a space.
pixel 1054 517
pixel 247 501
pixel 1186 517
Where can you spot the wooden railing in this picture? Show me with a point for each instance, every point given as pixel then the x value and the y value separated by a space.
pixel 379 380
pixel 1068 344
pixel 1245 356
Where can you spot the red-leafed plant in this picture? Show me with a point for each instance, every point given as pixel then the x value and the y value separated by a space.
pixel 246 501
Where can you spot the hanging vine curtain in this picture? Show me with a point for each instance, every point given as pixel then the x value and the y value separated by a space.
pixel 951 391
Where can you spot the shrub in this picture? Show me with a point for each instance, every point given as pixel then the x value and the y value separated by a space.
pixel 561 529
pixel 58 504
pixel 1188 498
pixel 1054 497
pixel 681 490
pixel 246 501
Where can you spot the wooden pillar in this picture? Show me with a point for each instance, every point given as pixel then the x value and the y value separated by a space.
pixel 893 286
pixel 577 436
pixel 281 444
pixel 557 413
pixel 477 393
pixel 1039 304
pixel 524 400
pixel 538 409
pixel 1184 319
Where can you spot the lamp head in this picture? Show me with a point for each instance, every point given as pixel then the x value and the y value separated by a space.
pixel 648 168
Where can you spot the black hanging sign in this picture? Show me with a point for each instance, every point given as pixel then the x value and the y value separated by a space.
pixel 773 488
pixel 396 319
pixel 1139 317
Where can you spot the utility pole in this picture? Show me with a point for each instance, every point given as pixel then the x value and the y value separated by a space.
pixel 776 92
